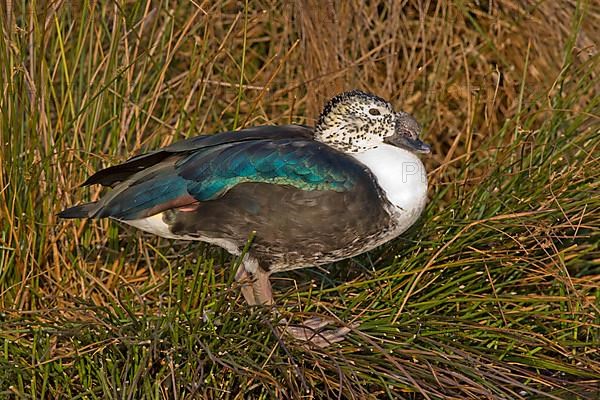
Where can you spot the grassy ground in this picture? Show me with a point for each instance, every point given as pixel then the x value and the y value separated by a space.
pixel 495 294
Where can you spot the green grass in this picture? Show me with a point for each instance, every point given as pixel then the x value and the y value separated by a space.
pixel 494 294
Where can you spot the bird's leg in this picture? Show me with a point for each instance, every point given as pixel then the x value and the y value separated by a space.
pixel 257 287
pixel 262 288
pixel 257 291
pixel 242 275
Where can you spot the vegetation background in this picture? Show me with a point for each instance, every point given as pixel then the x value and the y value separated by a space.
pixel 494 295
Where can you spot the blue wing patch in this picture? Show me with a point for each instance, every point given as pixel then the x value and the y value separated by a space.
pixel 301 164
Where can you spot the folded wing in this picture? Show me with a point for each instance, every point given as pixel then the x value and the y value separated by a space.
pixel 205 168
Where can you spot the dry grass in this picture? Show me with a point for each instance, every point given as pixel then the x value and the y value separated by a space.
pixel 494 295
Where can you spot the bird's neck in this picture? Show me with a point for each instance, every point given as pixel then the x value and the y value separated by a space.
pixel 343 137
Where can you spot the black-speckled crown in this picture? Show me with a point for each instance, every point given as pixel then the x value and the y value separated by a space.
pixel 345 96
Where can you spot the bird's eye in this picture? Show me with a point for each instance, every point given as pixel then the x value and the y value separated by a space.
pixel 374 111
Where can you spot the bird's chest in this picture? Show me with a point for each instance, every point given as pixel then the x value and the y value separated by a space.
pixel 402 178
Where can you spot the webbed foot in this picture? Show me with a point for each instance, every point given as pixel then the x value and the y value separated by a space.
pixel 314 331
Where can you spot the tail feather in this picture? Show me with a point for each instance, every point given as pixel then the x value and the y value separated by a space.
pixel 86 210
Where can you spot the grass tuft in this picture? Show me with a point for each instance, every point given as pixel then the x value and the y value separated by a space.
pixel 494 294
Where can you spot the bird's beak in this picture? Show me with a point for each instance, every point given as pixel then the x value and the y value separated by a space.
pixel 401 139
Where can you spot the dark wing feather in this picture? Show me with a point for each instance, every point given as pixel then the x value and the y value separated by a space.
pixel 113 175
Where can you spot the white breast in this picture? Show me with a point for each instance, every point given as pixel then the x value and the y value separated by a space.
pixel 402 177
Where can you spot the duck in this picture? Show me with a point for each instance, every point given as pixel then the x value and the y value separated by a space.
pixel 281 197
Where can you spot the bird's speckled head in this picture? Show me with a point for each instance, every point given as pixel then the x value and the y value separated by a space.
pixel 356 121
